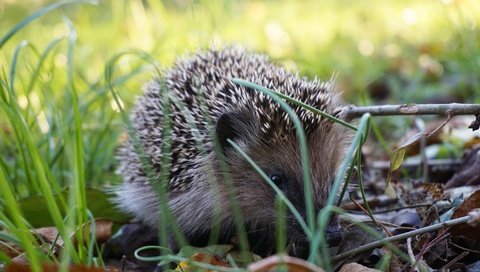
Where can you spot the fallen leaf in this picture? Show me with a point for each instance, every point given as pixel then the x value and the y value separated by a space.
pixel 398 154
pixel 202 258
pixel 469 172
pixel 15 267
pixel 49 235
pixel 469 204
pixel 355 267
pixel 10 249
pixel 275 262
pixel 99 204
pixel 103 230
pixel 210 259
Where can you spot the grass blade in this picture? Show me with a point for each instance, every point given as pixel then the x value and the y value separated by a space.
pixel 325 214
pixel 37 15
pixel 20 229
pixel 302 143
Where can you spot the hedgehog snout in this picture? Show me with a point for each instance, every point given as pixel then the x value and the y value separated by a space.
pixel 298 245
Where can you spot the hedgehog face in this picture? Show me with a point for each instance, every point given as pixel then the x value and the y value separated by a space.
pixel 281 162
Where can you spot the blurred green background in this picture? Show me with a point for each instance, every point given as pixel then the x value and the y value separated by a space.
pixel 394 51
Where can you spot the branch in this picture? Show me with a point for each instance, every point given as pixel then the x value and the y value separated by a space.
pixel 413 109
pixel 473 217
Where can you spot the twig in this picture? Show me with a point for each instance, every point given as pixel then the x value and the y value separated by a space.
pixel 417 260
pixel 369 214
pixel 441 237
pixel 401 237
pixel 464 248
pixel 373 202
pixel 423 145
pixel 411 165
pixel 413 109
pixel 456 259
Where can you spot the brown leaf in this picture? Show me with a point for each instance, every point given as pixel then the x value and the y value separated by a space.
pixel 10 249
pixel 469 172
pixel 15 267
pixel 20 259
pixel 103 230
pixel 276 261
pixel 49 234
pixel 432 191
pixel 203 258
pixel 469 204
pixel 355 267
pixel 209 259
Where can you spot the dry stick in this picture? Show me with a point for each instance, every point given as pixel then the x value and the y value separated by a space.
pixel 464 248
pixel 352 111
pixel 423 145
pixel 415 259
pixel 380 225
pixel 402 236
pixel 452 262
pixel 427 246
pixel 448 110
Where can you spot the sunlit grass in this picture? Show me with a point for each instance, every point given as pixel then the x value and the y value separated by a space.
pixel 320 37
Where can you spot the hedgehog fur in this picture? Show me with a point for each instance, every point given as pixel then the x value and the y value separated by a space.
pixel 209 105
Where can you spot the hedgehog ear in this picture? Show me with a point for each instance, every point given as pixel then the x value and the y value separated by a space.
pixel 231 126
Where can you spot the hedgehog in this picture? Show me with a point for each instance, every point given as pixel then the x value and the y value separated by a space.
pixel 205 110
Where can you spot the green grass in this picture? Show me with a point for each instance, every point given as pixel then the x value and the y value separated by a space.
pixel 60 123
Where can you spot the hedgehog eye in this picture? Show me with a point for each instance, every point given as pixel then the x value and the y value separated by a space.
pixel 276 179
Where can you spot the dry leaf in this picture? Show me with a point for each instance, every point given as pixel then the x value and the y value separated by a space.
pixel 210 259
pixel 469 204
pixel 469 172
pixel 15 267
pixel 10 249
pixel 355 267
pixel 20 259
pixel 103 230
pixel 203 258
pixel 293 264
pixel 49 235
